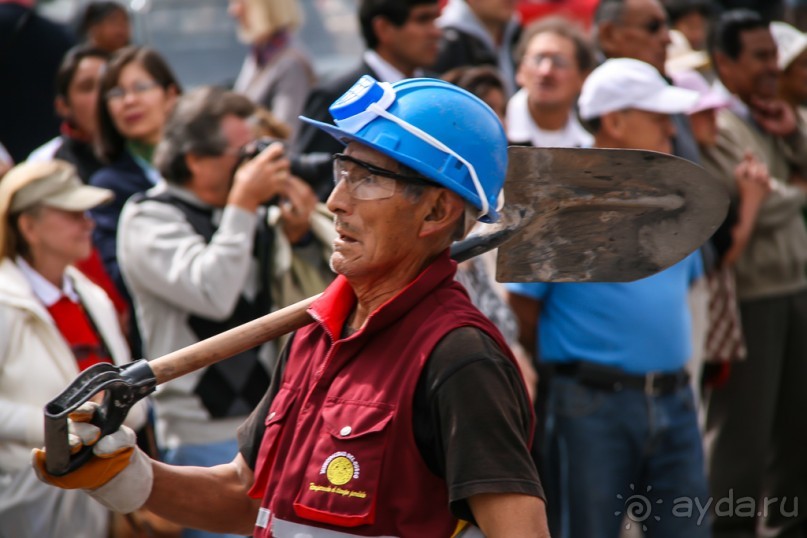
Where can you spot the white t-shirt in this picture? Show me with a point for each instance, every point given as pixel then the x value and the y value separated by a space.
pixel 522 128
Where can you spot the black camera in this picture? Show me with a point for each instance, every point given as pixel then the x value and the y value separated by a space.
pixel 251 150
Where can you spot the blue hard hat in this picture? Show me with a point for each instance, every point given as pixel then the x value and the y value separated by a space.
pixel 438 129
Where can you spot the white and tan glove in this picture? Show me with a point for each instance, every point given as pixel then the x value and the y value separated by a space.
pixel 118 475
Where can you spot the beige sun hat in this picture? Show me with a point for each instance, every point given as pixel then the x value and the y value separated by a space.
pixel 790 43
pixel 50 183
pixel 681 56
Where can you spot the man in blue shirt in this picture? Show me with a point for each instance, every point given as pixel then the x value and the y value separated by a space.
pixel 622 438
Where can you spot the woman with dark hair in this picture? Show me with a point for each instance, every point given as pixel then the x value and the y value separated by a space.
pixel 105 25
pixel 77 104
pixel 136 95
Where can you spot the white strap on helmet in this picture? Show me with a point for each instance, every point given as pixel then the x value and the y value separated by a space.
pixel 429 139
pixel 354 123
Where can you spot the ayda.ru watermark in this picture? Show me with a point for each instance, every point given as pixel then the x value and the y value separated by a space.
pixel 641 507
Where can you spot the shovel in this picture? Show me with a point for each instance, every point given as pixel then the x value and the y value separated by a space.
pixel 572 215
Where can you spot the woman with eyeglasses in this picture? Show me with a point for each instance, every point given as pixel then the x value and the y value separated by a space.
pixel 136 95
pixel 54 323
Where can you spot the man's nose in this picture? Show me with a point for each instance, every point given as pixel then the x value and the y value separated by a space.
pixel 339 200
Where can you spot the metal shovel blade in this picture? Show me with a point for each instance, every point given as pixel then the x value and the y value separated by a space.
pixel 603 215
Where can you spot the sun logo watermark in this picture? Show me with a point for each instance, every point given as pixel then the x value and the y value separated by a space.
pixel 637 508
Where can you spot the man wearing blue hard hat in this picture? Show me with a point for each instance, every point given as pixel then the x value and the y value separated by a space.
pixel 400 411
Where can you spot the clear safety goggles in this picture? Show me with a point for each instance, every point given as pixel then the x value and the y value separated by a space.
pixel 379 108
pixel 365 181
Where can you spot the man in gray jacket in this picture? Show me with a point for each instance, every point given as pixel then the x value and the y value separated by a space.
pixel 195 252
pixel 756 428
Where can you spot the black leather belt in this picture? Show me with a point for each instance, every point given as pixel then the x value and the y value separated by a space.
pixel 613 379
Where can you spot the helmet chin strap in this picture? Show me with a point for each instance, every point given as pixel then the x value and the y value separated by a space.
pixel 429 139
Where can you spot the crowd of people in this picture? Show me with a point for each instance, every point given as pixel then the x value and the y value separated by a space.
pixel 138 217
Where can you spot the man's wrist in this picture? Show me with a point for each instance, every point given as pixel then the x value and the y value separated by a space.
pixel 129 489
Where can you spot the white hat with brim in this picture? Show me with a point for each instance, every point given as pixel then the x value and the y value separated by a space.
pixel 790 43
pixel 625 83
pixel 681 56
pixel 53 184
pixel 709 96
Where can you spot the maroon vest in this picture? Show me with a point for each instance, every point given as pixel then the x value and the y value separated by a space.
pixel 339 451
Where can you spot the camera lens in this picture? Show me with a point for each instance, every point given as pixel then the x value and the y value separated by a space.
pixel 251 150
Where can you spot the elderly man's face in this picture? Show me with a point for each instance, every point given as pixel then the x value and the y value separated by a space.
pixel 376 237
pixel 641 33
pixel 550 73
pixel 212 174
pixel 754 74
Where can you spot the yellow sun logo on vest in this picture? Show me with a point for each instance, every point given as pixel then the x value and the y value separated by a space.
pixel 340 468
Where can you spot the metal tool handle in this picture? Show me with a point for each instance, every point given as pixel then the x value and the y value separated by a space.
pixel 122 386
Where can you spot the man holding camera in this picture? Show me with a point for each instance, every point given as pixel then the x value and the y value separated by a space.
pixel 197 253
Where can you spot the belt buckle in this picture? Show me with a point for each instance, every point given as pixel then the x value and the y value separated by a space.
pixel 649 384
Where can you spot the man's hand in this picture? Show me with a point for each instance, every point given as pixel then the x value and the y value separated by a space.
pixel 119 475
pixel 261 178
pixel 774 116
pixel 752 177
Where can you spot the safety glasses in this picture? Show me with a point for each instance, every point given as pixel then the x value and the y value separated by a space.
pixel 355 122
pixel 365 181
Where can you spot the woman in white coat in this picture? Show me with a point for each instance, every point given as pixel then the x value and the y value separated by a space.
pixel 54 323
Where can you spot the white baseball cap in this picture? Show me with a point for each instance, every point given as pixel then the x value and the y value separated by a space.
pixel 790 42
pixel 709 96
pixel 623 83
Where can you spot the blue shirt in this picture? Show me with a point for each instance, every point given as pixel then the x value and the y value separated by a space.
pixel 642 326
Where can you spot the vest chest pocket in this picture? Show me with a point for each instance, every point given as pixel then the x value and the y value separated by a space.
pixel 274 423
pixel 342 478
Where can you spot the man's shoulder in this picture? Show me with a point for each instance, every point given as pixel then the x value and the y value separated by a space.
pixel 463 347
pixel 155 203
pixel 459 47
pixel 335 87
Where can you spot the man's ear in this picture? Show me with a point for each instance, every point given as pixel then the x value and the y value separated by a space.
pixel 62 108
pixel 607 36
pixel 382 28
pixel 445 211
pixel 521 77
pixel 194 163
pixel 613 124
pixel 723 66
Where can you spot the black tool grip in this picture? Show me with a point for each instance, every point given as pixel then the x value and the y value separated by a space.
pixel 123 387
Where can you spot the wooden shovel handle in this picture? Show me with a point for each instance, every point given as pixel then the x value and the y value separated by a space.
pixel 232 342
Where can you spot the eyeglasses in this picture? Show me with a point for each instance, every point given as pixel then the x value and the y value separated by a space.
pixel 653 26
pixel 555 60
pixel 118 93
pixel 367 182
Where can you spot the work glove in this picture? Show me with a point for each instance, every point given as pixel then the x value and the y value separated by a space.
pixel 118 475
